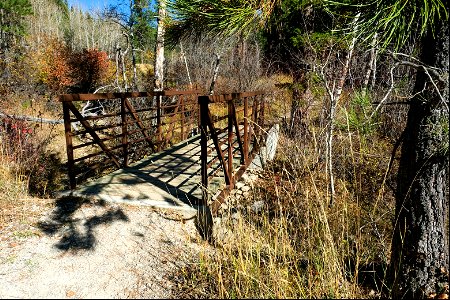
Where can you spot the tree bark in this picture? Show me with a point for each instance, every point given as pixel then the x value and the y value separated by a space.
pixel 183 55
pixel 118 50
pixel 158 83
pixel 124 76
pixel 371 65
pixel 420 255
pixel 159 51
pixel 133 61
pixel 215 74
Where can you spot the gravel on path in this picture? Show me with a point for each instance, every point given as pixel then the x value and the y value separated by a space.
pixel 91 249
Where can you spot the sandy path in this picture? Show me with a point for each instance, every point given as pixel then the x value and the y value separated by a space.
pixel 95 250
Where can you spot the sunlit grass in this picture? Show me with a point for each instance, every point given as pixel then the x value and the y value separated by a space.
pixel 297 246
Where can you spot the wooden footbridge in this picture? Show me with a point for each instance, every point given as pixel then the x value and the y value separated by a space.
pixel 175 149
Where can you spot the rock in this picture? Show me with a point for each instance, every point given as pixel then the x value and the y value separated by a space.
pixel 70 293
pixel 239 185
pixel 222 234
pixel 272 141
pixel 239 192
pixel 253 177
pixel 246 194
pixel 245 188
pixel 245 177
pixel 257 206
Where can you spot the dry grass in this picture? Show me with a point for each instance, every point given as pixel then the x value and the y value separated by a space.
pixel 297 246
pixel 31 156
pixel 13 186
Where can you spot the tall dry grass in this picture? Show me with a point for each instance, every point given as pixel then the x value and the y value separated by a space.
pixel 297 246
pixel 30 164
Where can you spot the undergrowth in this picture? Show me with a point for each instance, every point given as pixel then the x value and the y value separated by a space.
pixel 28 166
pixel 297 246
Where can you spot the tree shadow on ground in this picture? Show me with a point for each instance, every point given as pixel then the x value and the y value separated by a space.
pixel 77 233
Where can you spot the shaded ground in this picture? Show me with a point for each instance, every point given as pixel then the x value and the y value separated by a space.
pixel 73 248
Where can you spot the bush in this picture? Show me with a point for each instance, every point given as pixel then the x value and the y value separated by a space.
pixel 89 68
pixel 23 154
pixel 63 70
pixel 358 114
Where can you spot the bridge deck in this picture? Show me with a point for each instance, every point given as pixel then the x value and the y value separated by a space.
pixel 168 179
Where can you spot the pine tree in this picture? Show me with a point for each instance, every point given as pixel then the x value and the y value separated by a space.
pixel 12 13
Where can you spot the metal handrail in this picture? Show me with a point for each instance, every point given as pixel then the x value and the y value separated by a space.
pixel 248 141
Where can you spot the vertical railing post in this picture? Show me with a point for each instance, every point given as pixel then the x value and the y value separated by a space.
pixel 204 216
pixel 69 146
pixel 158 121
pixel 246 130
pixel 261 120
pixel 261 113
pixel 182 117
pixel 230 142
pixel 255 119
pixel 124 132
pixel 203 105
pixel 198 114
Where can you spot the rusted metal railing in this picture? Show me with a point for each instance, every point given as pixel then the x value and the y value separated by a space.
pixel 129 128
pixel 133 125
pixel 230 128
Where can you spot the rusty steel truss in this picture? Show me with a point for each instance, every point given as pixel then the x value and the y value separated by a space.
pixel 130 126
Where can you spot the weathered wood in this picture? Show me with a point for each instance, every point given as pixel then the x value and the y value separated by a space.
pixel 31 119
pixel 230 138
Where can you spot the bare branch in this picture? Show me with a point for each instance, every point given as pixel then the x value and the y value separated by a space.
pixel 435 71
pixel 418 65
pixel 388 92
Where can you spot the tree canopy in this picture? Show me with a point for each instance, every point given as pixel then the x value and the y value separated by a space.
pixel 394 21
pixel 225 18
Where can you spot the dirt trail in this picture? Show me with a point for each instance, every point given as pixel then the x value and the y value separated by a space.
pixel 87 249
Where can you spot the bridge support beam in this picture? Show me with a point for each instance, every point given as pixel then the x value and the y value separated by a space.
pixel 204 221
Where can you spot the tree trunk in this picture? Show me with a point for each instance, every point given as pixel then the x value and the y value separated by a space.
pixel 335 95
pixel 299 105
pixel 118 55
pixel 159 51
pixel 215 74
pixel 133 61
pixel 124 76
pixel 183 55
pixel 420 254
pixel 158 83
pixel 371 65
